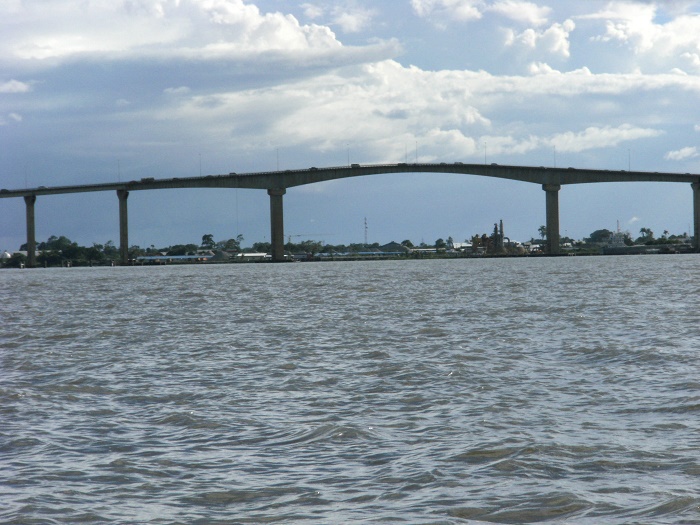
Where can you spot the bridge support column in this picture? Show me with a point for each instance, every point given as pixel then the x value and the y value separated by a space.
pixel 552 191
pixel 696 215
pixel 277 223
pixel 29 200
pixel 123 227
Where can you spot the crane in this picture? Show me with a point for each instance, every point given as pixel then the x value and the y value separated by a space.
pixel 289 237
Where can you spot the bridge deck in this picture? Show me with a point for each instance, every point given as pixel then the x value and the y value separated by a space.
pixel 299 177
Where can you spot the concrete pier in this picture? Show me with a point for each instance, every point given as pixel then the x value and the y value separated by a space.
pixel 552 191
pixel 123 227
pixel 276 183
pixel 277 223
pixel 696 215
pixel 31 231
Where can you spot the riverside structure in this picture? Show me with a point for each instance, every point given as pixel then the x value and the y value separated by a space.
pixel 277 182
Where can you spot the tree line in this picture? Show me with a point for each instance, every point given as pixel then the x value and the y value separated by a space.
pixel 646 237
pixel 59 250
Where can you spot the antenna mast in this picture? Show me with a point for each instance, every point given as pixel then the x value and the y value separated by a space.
pixel 365 231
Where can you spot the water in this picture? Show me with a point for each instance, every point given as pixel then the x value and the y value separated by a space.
pixel 564 390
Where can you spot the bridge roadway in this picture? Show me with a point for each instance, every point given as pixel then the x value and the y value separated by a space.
pixel 277 182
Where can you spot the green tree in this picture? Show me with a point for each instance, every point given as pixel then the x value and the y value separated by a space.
pixel 231 245
pixel 16 261
pixel 182 249
pixel 440 244
pixel 599 236
pixel 72 251
pixel 261 247
pixel 59 243
pixel 49 258
pixel 543 232
pixel 407 243
pixel 95 253
pixel 208 241
pixel 646 237
pixel 312 247
pixel 136 251
pixel 110 250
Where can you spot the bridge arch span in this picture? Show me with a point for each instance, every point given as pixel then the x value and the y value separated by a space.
pixel 276 183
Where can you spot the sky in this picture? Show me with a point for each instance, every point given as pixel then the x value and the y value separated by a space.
pixel 95 91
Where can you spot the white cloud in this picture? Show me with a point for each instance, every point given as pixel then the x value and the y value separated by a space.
pixel 522 11
pixel 185 28
pixel 14 86
pixel 462 10
pixel 635 25
pixel 182 90
pixel 600 137
pixel 385 106
pixel 554 40
pixel 582 81
pixel 633 220
pixel 541 68
pixel 592 138
pixel 352 20
pixel 181 39
pixel 691 59
pixel 312 11
pixel 14 117
pixel 689 152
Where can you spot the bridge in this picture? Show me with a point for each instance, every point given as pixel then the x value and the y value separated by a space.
pixel 277 182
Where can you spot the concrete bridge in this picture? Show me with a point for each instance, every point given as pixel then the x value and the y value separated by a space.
pixel 277 182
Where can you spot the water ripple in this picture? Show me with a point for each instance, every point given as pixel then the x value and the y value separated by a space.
pixel 444 392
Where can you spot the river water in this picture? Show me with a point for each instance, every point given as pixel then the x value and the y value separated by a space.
pixel 562 390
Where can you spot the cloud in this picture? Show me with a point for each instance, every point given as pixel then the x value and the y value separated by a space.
pixel 682 154
pixel 634 25
pixel 600 137
pixel 14 117
pixel 352 20
pixel 383 107
pixel 182 90
pixel 584 81
pixel 633 220
pixel 592 138
pixel 312 11
pixel 135 50
pixel 462 10
pixel 554 40
pixel 521 11
pixel 191 29
pixel 14 86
